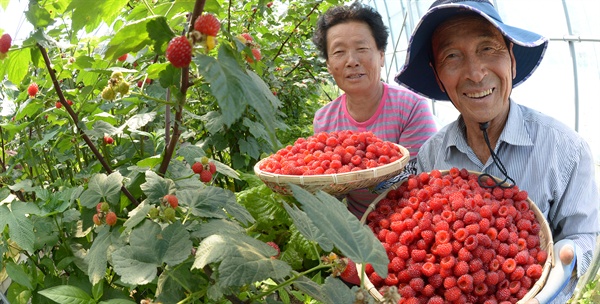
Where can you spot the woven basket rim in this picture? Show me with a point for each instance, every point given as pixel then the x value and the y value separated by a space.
pixel 544 232
pixel 336 179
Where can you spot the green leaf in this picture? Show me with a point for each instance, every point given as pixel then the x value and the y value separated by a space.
pixel 207 202
pixel 355 240
pixel 148 248
pixel 174 282
pixel 137 215
pixel 65 294
pixel 16 61
pixel 307 228
pixel 38 16
pixel 117 301
pixel 337 291
pixel 135 36
pixel 216 226
pixel 85 17
pixel 243 259
pixel 20 226
pixel 102 187
pixel 17 274
pixel 156 187
pixel 98 255
pixel 191 153
pixel 139 120
pixel 100 129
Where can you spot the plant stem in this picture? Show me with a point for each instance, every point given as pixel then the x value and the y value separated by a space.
pixel 293 31
pixel 289 281
pixel 170 147
pixel 88 141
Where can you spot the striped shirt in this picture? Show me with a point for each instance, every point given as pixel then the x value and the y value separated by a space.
pixel 402 117
pixel 544 157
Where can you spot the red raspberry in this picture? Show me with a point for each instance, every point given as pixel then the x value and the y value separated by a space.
pixel 418 255
pixel 391 280
pixel 492 278
pixel 205 176
pixel 32 90
pixel 5 42
pixel 179 52
pixel 522 257
pixel 396 264
pixel 509 265
pixel 407 292
pixel 452 294
pixel 111 218
pixel 212 167
pixel 521 196
pixel 443 250
pixel 417 284
pixel 503 294
pixel 534 271
pixel 428 269
pixel 517 274
pixel 197 167
pixel 461 268
pixel 108 140
pixel 276 247
pixel 171 200
pixel 391 237
pixel 248 38
pixel 207 24
pixel 122 58
pixel 58 105
pixel 448 262
pixel 350 274
pixel 465 283
pixel 480 290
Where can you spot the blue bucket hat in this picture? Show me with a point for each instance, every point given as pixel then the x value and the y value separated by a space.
pixel 417 74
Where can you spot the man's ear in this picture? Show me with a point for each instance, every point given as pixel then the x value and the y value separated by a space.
pixel 437 79
pixel 513 61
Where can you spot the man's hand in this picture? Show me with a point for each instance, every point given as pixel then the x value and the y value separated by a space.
pixel 560 274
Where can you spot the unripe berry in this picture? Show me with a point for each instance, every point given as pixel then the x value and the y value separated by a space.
pixel 123 87
pixel 204 160
pixel 108 93
pixel 153 213
pixel 169 214
pixel 104 207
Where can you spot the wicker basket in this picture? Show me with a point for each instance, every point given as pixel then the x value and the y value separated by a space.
pixel 334 184
pixel 546 243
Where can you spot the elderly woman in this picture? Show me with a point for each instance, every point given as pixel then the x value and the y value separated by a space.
pixel 352 39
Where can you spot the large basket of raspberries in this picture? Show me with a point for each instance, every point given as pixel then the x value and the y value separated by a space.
pixel 335 162
pixel 450 239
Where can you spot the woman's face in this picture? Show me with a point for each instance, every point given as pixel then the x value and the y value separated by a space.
pixel 353 58
pixel 474 67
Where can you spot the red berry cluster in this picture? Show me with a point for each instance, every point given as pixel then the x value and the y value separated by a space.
pixel 104 215
pixel 207 24
pixel 5 42
pixel 205 168
pixel 448 238
pixel 331 153
pixel 247 39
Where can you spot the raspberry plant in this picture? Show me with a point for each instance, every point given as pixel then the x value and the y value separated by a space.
pixel 87 159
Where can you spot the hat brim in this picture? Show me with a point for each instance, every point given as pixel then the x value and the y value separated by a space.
pixel 417 74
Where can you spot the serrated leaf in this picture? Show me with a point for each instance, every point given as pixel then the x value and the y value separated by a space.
pixel 20 226
pixel 190 153
pixel 307 228
pixel 117 301
pixel 355 240
pixel 67 295
pixel 238 212
pixel 131 269
pixel 311 288
pixel 98 255
pixel 243 259
pixel 156 187
pixel 134 36
pixel 38 16
pixel 101 187
pixel 176 241
pixel 216 226
pixel 208 201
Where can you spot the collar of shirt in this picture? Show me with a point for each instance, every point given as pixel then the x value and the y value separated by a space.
pixel 514 133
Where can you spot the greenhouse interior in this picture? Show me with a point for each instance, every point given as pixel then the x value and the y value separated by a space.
pixel 101 200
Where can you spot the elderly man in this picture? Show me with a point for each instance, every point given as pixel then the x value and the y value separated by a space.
pixel 462 51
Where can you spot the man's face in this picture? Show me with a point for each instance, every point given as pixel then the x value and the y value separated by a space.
pixel 474 67
pixel 353 58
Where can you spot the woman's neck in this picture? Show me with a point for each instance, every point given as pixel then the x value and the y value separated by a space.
pixel 362 107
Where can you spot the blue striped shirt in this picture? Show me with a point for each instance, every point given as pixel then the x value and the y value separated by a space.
pixel 544 157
